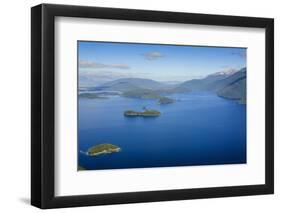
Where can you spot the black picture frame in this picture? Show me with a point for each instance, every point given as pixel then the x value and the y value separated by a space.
pixel 43 102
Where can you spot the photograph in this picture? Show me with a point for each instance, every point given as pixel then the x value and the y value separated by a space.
pixel 139 105
pixel 160 105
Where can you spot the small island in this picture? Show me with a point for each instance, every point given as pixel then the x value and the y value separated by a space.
pixel 91 96
pixel 81 168
pixel 141 94
pixel 104 148
pixel 98 95
pixel 165 100
pixel 145 113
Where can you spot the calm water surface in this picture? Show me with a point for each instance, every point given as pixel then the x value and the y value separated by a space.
pixel 198 129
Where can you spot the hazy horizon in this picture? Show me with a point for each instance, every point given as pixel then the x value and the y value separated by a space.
pixel 101 62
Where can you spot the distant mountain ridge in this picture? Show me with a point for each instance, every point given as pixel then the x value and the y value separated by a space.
pixel 230 85
pixel 126 84
pixel 227 72
pixel 213 82
pixel 218 85
pixel 236 90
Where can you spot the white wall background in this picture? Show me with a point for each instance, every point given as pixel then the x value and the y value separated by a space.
pixel 15 105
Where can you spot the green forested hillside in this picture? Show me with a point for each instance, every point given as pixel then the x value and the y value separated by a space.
pixel 235 91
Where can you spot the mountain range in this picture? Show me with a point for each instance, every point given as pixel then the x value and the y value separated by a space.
pixel 230 85
pixel 126 84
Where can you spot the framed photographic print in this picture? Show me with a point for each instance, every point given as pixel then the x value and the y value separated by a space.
pixel 139 106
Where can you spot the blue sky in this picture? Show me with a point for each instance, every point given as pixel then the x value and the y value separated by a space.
pixel 105 61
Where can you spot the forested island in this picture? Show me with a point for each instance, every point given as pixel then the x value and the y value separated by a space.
pixel 92 96
pixel 145 113
pixel 165 100
pixel 80 168
pixel 148 94
pixel 104 148
pixel 97 95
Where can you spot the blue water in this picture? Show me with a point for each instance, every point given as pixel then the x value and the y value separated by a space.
pixel 198 129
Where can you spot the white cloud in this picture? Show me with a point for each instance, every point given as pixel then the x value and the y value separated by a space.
pixel 153 55
pixel 95 65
